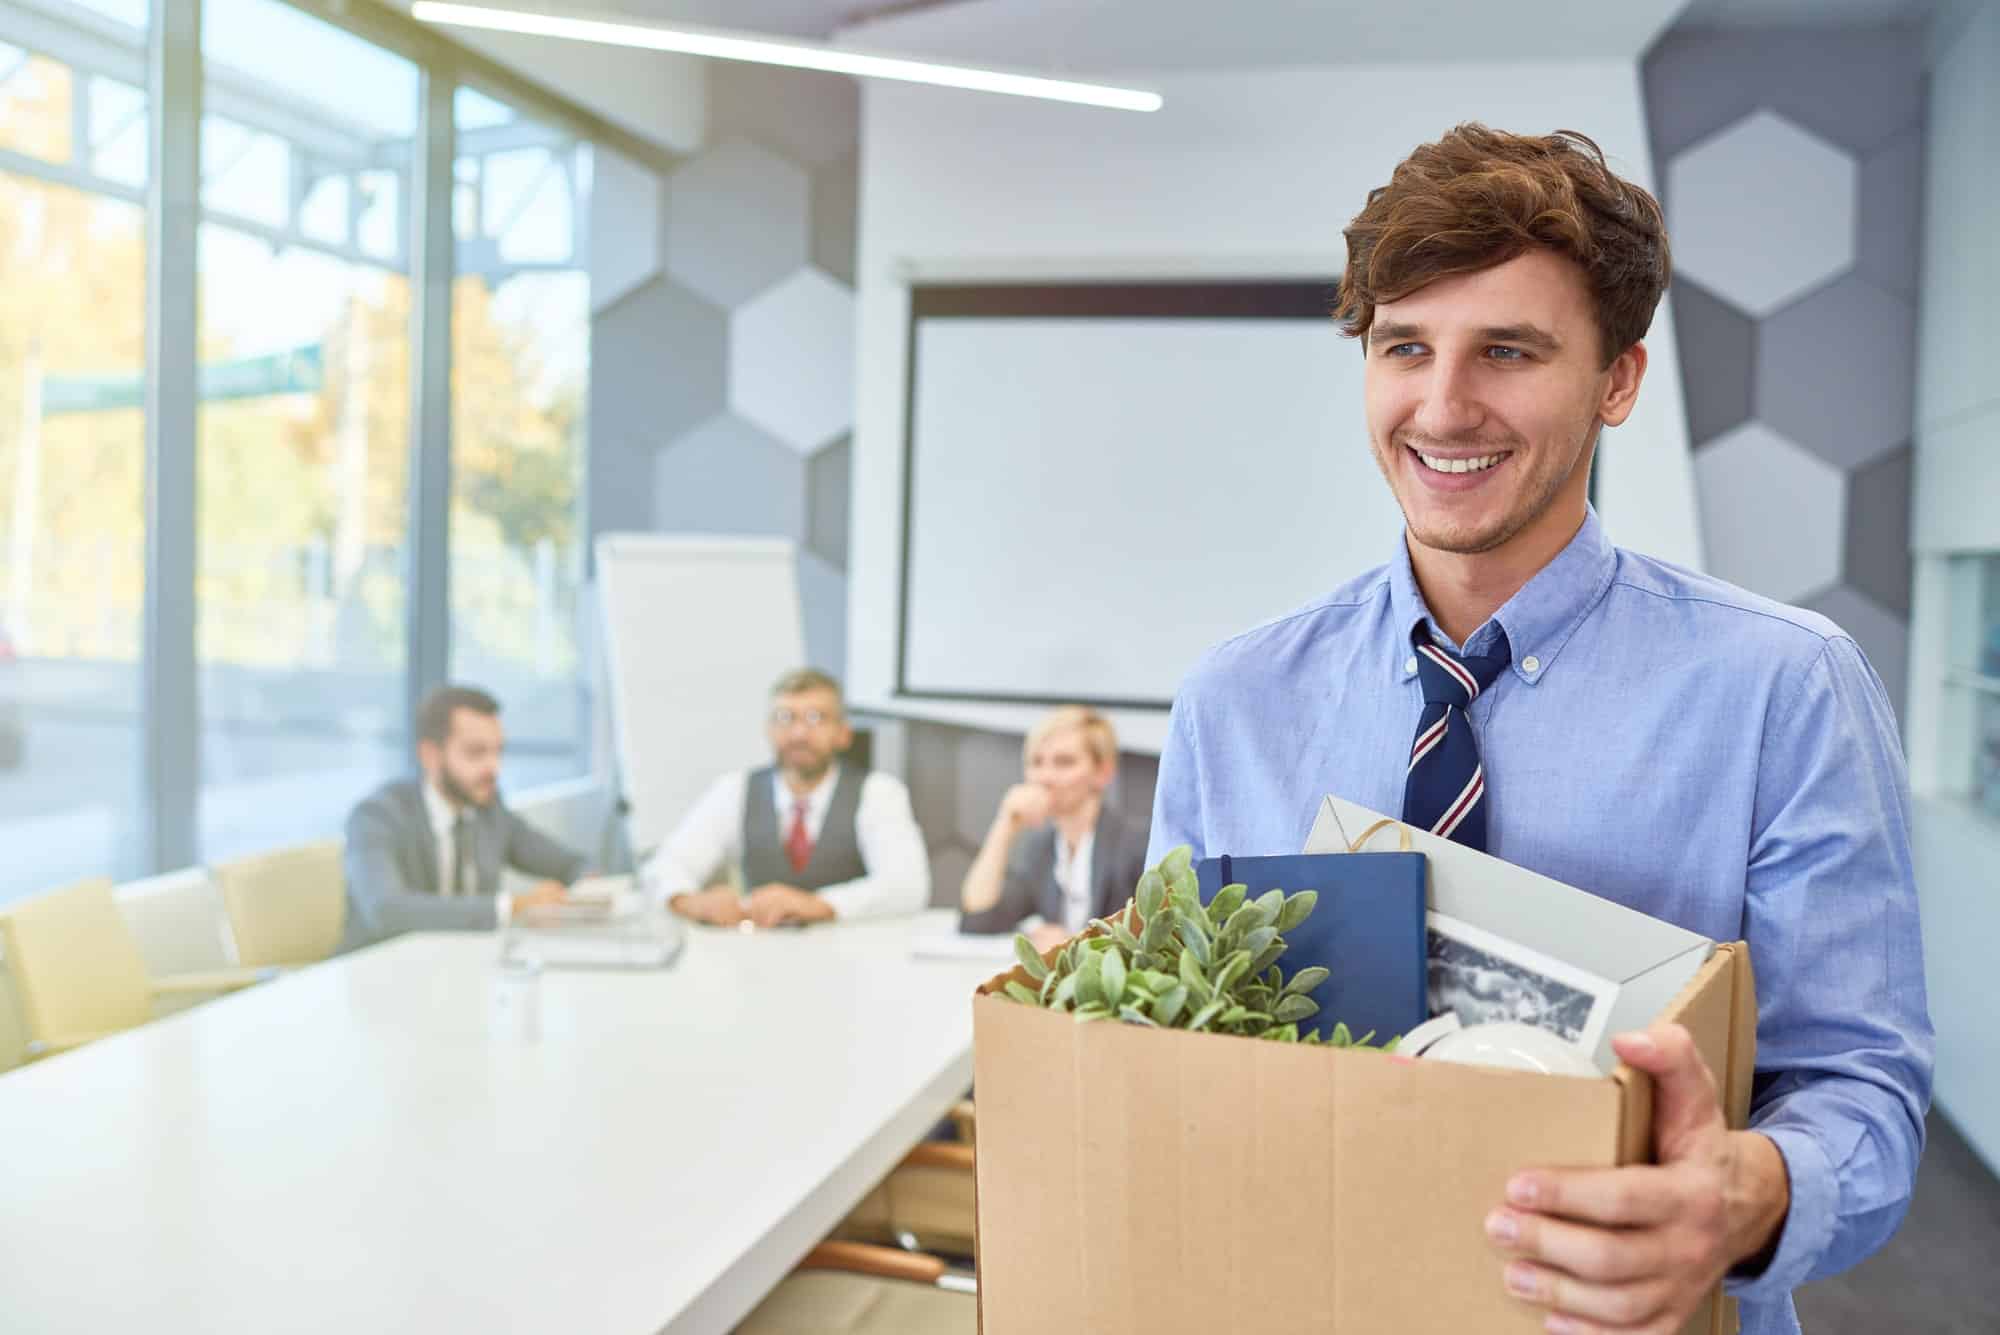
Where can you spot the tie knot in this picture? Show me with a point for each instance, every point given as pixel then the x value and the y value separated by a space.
pixel 1457 679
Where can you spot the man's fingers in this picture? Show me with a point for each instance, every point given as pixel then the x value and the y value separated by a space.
pixel 1583 1250
pixel 1636 1194
pixel 1591 1307
pixel 1685 1103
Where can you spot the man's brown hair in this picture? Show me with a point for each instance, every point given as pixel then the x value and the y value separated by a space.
pixel 1480 197
pixel 434 713
pixel 800 680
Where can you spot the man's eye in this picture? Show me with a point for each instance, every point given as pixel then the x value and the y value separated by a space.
pixel 1404 350
pixel 1507 354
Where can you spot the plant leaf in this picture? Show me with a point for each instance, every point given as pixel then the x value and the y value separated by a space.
pixel 1232 969
pixel 1242 920
pixel 1065 994
pixel 1021 993
pixel 1271 955
pixel 1030 958
pixel 1089 985
pixel 1259 941
pixel 1123 936
pixel 1177 860
pixel 1305 980
pixel 1297 909
pixel 1294 1008
pixel 1133 1015
pixel 1085 1014
pixel 1193 935
pixel 1168 1005
pixel 1227 900
pixel 1205 1014
pixel 1269 905
pixel 1151 894
pixel 1111 977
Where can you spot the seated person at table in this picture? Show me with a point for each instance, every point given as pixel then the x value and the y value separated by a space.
pixel 425 854
pixel 814 839
pixel 1056 855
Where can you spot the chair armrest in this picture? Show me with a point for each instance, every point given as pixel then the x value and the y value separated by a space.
pixel 861 1258
pixel 212 980
pixel 48 1047
pixel 940 1154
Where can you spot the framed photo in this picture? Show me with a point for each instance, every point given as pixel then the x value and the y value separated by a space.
pixel 1483 978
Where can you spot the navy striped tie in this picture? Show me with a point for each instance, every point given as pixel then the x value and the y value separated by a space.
pixel 1445 791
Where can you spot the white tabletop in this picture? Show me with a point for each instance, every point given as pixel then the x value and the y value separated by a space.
pixel 359 1147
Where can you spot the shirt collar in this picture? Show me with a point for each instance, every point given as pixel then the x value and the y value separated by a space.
pixel 816 801
pixel 1541 616
pixel 440 811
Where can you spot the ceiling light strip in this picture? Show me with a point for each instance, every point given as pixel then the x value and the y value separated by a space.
pixel 730 46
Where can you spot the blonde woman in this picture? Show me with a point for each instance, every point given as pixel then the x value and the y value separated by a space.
pixel 1056 855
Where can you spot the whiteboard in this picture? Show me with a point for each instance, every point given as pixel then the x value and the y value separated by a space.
pixel 1093 502
pixel 696 629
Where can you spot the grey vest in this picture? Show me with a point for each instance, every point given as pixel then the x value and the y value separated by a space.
pixel 836 857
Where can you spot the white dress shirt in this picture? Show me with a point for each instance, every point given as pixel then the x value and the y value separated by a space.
pixel 710 839
pixel 444 829
pixel 1073 879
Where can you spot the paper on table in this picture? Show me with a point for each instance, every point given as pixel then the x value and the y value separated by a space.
pixel 951 944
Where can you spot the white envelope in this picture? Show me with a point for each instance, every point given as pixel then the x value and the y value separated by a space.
pixel 1650 961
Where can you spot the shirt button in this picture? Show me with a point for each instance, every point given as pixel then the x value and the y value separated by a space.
pixel 1531 665
pixel 1409 665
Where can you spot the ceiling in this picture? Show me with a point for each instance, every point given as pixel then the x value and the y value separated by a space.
pixel 1714 14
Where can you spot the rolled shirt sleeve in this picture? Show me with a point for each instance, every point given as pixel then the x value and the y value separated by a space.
pixel 1844 1038
pixel 706 841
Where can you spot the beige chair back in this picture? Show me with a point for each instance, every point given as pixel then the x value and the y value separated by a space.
pixel 285 907
pixel 75 965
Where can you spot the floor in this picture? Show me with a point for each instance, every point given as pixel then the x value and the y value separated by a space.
pixel 1940 1274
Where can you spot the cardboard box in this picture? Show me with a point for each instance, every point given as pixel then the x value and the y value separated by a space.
pixel 1134 1180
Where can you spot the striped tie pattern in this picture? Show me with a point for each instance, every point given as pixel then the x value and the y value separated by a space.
pixel 1445 791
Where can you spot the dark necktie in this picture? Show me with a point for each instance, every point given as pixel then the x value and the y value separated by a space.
pixel 798 839
pixel 1445 791
pixel 461 855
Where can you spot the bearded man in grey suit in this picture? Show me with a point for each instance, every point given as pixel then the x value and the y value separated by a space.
pixel 425 854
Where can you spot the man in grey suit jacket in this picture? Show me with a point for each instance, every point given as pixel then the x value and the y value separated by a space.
pixel 1056 851
pixel 425 854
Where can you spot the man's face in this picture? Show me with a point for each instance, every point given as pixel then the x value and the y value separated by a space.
pixel 1061 766
pixel 466 765
pixel 807 730
pixel 1499 374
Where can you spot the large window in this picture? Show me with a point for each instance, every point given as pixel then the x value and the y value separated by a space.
pixel 520 375
pixel 304 441
pixel 72 441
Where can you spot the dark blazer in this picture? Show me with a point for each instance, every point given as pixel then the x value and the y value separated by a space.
pixel 392 865
pixel 1117 860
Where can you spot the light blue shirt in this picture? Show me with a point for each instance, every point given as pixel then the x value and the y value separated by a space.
pixel 1664 740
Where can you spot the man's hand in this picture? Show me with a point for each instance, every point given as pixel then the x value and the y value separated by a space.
pixel 1633 1250
pixel 1025 807
pixel 543 894
pixel 771 905
pixel 718 905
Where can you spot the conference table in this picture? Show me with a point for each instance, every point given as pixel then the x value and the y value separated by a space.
pixel 368 1145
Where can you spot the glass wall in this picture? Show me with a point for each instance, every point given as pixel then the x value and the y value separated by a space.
pixel 520 380
pixel 72 440
pixel 304 441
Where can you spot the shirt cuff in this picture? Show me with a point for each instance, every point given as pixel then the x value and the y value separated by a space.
pixel 1809 1222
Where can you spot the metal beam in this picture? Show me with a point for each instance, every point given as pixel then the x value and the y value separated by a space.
pixel 431 248
pixel 171 775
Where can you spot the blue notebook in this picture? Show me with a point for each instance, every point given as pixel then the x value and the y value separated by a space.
pixel 1368 929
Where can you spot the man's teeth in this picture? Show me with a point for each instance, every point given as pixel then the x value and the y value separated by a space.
pixel 1438 465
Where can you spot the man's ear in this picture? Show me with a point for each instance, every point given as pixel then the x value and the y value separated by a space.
pixel 1621 389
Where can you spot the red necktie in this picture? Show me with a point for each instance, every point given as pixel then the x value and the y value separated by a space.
pixel 798 841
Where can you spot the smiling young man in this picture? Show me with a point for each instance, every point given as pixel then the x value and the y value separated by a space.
pixel 1514 681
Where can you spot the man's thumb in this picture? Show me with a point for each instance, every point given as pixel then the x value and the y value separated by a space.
pixel 1685 1103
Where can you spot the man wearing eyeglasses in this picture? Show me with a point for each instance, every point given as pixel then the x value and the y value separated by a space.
pixel 815 840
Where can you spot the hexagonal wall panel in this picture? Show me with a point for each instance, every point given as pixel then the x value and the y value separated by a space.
pixel 658 364
pixel 1877 561
pixel 791 360
pixel 726 476
pixel 736 221
pixel 827 502
pixel 1771 513
pixel 1836 372
pixel 836 206
pixel 1887 239
pixel 1883 638
pixel 1718 348
pixel 624 226
pixel 1762 212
